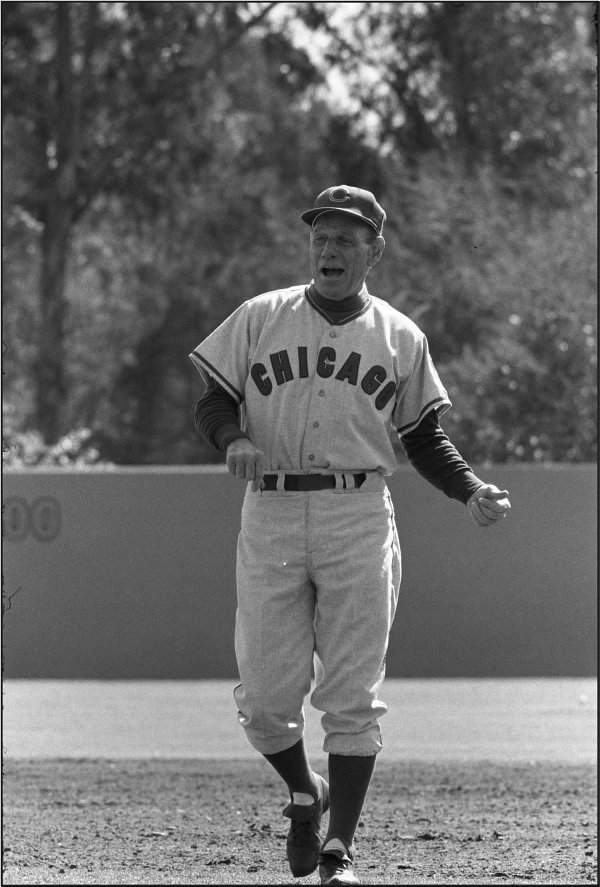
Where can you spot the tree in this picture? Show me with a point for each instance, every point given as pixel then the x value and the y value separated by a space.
pixel 196 132
pixel 506 84
pixel 78 76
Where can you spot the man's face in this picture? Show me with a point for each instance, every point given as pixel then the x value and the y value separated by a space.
pixel 341 254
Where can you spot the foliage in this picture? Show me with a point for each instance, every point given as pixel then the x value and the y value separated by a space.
pixel 506 297
pixel 199 131
pixel 27 449
pixel 506 84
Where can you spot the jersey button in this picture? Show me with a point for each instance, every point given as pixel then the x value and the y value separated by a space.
pixel 315 424
pixel 333 335
pixel 311 458
pixel 321 393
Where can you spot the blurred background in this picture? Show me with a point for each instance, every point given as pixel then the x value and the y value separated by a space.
pixel 156 158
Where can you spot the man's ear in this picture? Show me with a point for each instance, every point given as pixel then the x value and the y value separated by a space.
pixel 377 248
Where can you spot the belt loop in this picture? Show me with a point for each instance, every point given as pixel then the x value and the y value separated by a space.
pixel 340 480
pixel 350 481
pixel 280 481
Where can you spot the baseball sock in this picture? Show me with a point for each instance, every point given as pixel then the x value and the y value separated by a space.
pixel 293 767
pixel 349 779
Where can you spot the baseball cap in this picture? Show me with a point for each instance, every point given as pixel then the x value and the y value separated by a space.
pixel 346 199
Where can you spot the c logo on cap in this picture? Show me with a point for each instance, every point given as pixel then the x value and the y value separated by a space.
pixel 339 195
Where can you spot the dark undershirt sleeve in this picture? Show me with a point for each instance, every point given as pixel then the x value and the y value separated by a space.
pixel 435 457
pixel 216 417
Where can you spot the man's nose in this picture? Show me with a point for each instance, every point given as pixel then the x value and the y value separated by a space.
pixel 328 248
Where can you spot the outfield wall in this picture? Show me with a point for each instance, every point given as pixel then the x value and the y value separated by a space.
pixel 130 573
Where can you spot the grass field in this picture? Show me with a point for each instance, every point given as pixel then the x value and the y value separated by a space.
pixel 480 782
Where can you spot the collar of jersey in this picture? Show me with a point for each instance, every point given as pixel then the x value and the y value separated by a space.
pixel 338 313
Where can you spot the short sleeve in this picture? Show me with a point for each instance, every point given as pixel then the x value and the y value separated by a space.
pixel 223 355
pixel 421 392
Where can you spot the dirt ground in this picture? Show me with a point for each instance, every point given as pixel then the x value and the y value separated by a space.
pixel 213 822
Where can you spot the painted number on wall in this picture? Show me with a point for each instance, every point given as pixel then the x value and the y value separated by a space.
pixel 40 519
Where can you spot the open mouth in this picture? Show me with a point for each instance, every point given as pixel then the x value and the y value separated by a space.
pixel 332 272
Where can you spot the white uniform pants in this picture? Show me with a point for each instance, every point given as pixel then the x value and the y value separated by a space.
pixel 318 575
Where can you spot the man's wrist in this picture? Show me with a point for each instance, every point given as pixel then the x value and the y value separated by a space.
pixel 226 435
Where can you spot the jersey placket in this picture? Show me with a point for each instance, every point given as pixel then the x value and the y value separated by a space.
pixel 320 408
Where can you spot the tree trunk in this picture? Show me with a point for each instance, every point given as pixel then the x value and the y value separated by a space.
pixel 60 206
pixel 50 369
pixel 451 39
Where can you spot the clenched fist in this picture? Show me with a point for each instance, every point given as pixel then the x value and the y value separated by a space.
pixel 245 461
pixel 488 504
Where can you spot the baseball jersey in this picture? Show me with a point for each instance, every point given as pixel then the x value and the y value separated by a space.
pixel 318 396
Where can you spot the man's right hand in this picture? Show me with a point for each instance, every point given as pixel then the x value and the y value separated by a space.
pixel 245 461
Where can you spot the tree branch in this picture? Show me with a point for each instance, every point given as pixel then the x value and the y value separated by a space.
pixel 234 38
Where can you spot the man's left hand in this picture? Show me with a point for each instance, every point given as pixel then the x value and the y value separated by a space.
pixel 488 505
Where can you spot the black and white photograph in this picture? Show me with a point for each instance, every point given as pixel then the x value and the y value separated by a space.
pixel 299 443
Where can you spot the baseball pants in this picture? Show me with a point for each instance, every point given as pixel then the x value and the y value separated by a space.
pixel 318 576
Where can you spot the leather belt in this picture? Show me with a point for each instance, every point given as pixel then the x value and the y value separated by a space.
pixel 300 483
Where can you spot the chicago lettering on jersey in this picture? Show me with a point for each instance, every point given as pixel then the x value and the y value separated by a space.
pixel 282 370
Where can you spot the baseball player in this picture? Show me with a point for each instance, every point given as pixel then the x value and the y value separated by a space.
pixel 307 388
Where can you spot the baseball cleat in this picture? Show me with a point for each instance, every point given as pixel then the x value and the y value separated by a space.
pixel 304 838
pixel 335 866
